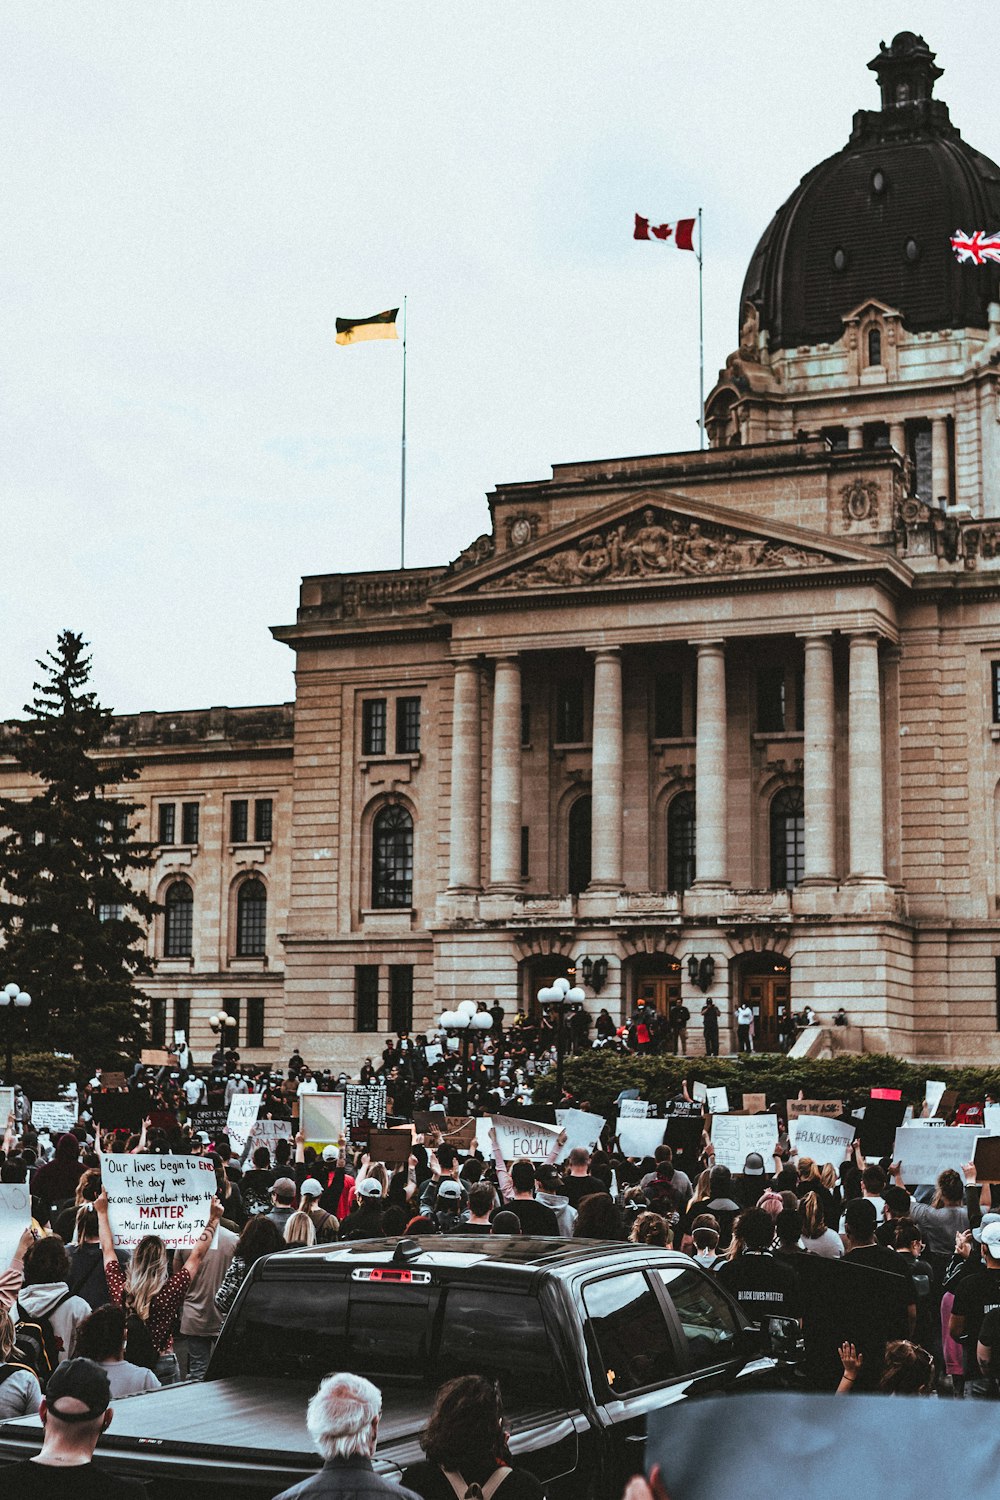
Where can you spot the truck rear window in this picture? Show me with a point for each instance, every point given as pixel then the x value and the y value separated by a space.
pixel 418 1333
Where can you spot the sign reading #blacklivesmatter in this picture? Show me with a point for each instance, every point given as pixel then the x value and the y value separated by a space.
pixel 825 1141
pixel 170 1196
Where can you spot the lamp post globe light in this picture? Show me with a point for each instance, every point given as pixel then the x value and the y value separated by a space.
pixel 12 998
pixel 561 992
pixel 221 1023
pixel 465 1021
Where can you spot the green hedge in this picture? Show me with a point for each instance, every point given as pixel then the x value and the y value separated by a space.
pixel 599 1077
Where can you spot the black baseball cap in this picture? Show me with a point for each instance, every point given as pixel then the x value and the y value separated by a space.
pixel 82 1380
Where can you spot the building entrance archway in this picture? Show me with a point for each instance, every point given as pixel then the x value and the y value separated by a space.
pixel 654 978
pixel 763 981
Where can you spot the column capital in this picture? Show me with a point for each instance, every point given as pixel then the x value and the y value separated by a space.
pixel 614 652
pixel 863 636
pixel 717 645
pixel 809 638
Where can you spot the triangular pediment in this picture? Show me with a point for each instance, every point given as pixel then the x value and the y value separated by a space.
pixel 660 537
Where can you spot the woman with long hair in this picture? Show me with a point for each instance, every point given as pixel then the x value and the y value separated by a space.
pixel 597 1218
pixel 300 1229
pixel 466 1444
pixel 817 1237
pixel 260 1236
pixel 151 1297
pixel 650 1229
pixel 20 1393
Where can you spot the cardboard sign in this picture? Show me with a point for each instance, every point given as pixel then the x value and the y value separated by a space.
pixel 519 1140
pixel 460 1132
pixel 633 1109
pixel 268 1133
pixel 393 1147
pixel 640 1137
pixel 428 1119
pixel 322 1119
pixel 15 1216
pixel 113 1081
pixel 735 1136
pixel 242 1117
pixel 831 1108
pixel 718 1101
pixel 755 1104
pixel 987 1158
pixel 155 1057
pixel 924 1154
pixel 54 1115
pixel 169 1196
pixel 932 1093
pixel 582 1129
pixel 947 1104
pixel 826 1141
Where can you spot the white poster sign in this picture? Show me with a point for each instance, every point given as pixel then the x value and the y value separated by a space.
pixel 243 1112
pixel 640 1137
pixel 633 1109
pixel 700 1092
pixel 15 1216
pixel 924 1154
pixel 433 1053
pixel 518 1139
pixel 6 1110
pixel 718 1101
pixel 824 1140
pixel 735 1136
pixel 582 1129
pixel 932 1093
pixel 322 1118
pixel 169 1196
pixel 54 1115
pixel 267 1133
pixel 991 1119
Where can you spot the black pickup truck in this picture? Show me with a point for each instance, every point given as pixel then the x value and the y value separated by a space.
pixel 586 1337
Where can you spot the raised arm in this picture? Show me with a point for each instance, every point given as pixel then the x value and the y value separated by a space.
pixel 553 1155
pixel 107 1239
pixel 204 1240
pixel 503 1176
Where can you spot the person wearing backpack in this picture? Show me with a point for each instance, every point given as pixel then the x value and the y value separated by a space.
pixel 151 1297
pixel 467 1457
pixel 47 1313
pixel 20 1392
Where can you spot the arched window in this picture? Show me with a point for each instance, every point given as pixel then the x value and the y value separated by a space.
pixel 874 346
pixel 251 920
pixel 579 845
pixel 178 923
pixel 788 839
pixel 392 858
pixel 680 842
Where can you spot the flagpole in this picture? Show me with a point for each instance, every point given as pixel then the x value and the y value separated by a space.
pixel 402 472
pixel 701 343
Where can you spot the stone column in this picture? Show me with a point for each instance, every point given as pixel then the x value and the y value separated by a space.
pixel 711 770
pixel 466 780
pixel 818 769
pixel 505 782
pixel 867 838
pixel 855 437
pixel 608 772
pixel 940 486
pixel 897 437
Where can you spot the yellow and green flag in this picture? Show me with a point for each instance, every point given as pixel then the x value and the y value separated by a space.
pixel 357 330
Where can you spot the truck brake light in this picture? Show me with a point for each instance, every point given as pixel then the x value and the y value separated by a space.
pixel 390 1273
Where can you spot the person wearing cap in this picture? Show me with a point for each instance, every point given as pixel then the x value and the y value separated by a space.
pixel 338 1194
pixel 978 1293
pixel 448 1205
pixel 548 1191
pixel 75 1410
pixel 326 1225
pixel 283 1196
pixel 364 1222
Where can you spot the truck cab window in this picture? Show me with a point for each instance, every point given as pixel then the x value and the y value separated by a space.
pixel 706 1317
pixel 631 1334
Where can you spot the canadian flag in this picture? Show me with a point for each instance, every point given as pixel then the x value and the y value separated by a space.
pixel 682 233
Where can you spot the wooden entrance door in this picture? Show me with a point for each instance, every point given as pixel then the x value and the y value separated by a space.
pixel 768 997
pixel 660 990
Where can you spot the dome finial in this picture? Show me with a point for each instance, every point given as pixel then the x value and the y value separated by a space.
pixel 906 70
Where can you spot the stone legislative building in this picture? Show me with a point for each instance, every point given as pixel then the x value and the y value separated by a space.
pixel 739 704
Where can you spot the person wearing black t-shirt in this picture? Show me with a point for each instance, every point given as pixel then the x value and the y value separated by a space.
pixel 535 1218
pixel 764 1286
pixel 578 1183
pixel 864 1250
pixel 976 1296
pixel 75 1411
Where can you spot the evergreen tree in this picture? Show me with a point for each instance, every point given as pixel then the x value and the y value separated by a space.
pixel 73 924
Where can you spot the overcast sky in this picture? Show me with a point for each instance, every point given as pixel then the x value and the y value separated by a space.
pixel 193 192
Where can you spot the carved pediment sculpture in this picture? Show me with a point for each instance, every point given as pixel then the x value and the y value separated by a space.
pixel 658 544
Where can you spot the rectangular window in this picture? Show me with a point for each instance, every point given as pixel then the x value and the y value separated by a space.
pixel 238 821
pixel 157 1021
pixel 232 1008
pixel 569 712
pixel 401 997
pixel 771 700
pixel 110 911
pixel 876 434
pixel 366 997
pixel 407 726
pixel 525 724
pixel 263 810
pixel 836 437
pixel 373 726
pixel 631 1334
pixel 182 1018
pixel 189 822
pixel 668 710
pixel 525 852
pixel 918 449
pixel 255 1021
pixel 168 822
pixel 995 676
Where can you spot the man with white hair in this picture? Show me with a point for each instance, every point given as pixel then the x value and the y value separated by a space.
pixel 343 1419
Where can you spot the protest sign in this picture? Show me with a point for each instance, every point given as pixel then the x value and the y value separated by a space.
pixel 684 1135
pixel 392 1147
pixel 924 1154
pixel 633 1109
pixel 54 1115
pixel 156 1057
pixel 243 1112
pixel 114 1110
pixel 947 1104
pixel 6 1106
pixel 460 1132
pixel 582 1129
pixel 718 1102
pixel 887 1093
pixel 735 1136
pixel 991 1119
pixel 169 1196
pixel 15 1216
pixel 212 1122
pixel 699 1092
pixel 322 1119
pixel 932 1093
pixel 518 1139
pixel 755 1104
pixel 364 1105
pixel 112 1080
pixel 692 1108
pixel 268 1133
pixel 877 1131
pixel 826 1141
pixel 829 1107
pixel 638 1137
pixel 987 1158
pixel 428 1119
pixel 433 1054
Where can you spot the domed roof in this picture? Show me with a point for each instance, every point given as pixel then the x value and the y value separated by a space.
pixel 875 220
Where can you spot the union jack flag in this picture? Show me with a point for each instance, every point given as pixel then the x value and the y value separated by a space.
pixel 978 247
